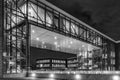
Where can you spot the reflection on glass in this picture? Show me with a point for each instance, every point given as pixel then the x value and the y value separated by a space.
pixel 88 56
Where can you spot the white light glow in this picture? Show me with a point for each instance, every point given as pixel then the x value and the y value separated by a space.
pixel 33 75
pixel 73 72
pixel 77 76
pixel 44 46
pixel 83 45
pixel 51 75
pixel 33 31
pixel 43 42
pixel 37 39
pixel 30 10
pixel 4 54
pixel 55 43
pixel 116 77
pixel 55 37
pixel 68 72
pixel 71 42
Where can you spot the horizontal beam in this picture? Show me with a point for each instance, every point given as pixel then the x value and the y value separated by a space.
pixel 70 16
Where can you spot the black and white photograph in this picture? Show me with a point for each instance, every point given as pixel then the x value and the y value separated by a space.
pixel 59 39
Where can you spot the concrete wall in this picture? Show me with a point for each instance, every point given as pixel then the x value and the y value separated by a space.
pixel 1 34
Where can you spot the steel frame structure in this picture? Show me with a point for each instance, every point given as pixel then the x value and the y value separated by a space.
pixel 18 20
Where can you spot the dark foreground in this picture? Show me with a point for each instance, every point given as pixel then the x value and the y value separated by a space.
pixel 81 77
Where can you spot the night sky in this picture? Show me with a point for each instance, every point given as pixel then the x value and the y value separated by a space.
pixel 104 15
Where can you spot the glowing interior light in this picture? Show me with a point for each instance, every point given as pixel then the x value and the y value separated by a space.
pixel 116 77
pixel 4 54
pixel 37 39
pixel 51 75
pixel 33 75
pixel 22 38
pixel 83 45
pixel 41 65
pixel 77 76
pixel 71 42
pixel 33 31
pixel 73 72
pixel 43 42
pixel 44 46
pixel 30 10
pixel 68 72
pixel 55 37
pixel 55 43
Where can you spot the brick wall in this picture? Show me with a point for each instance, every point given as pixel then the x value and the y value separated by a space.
pixel 1 34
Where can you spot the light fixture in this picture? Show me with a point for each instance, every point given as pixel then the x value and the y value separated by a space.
pixel 71 42
pixel 77 76
pixel 33 31
pixel 41 65
pixel 37 39
pixel 44 46
pixel 30 10
pixel 55 43
pixel 4 54
pixel 83 45
pixel 115 77
pixel 33 75
pixel 51 75
pixel 68 72
pixel 43 42
pixel 55 37
pixel 74 72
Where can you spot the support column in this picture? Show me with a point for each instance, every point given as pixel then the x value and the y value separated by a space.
pixel 1 35
pixel 117 58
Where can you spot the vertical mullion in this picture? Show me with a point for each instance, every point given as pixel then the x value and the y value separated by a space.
pixel 59 22
pixel 37 13
pixel 6 35
pixel 22 46
pixel 53 23
pixel 27 39
pixel 16 35
pixel 65 30
pixel 78 31
pixel 10 34
pixel 45 15
pixel 70 28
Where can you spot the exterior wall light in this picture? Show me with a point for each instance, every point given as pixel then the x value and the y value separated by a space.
pixel 51 75
pixel 115 77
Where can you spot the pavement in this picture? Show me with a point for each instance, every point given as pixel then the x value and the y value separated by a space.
pixel 82 77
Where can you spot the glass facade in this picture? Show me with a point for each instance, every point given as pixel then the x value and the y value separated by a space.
pixel 30 23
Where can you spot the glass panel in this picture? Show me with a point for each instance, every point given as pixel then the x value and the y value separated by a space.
pixel 32 12
pixel 47 40
pixel 67 26
pixel 74 29
pixel 47 44
pixel 82 33
pixel 41 14
pixel 49 19
pixel 56 21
